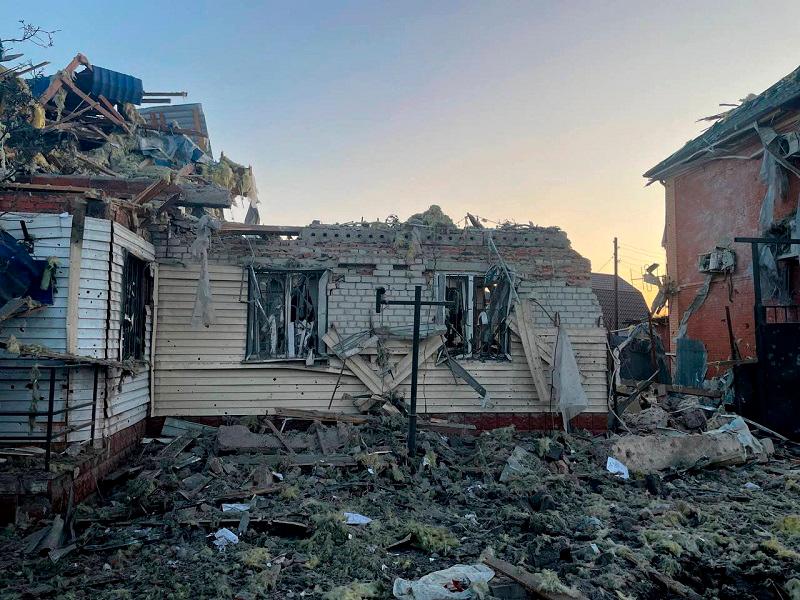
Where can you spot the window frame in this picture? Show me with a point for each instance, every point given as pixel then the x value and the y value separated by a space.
pixel 440 282
pixel 321 310
pixel 136 296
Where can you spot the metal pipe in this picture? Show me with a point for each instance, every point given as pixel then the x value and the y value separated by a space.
pixel 412 415
pixel 50 403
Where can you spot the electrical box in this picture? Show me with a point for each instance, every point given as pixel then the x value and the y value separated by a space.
pixel 720 260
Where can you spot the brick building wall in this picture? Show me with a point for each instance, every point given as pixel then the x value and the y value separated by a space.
pixel 360 259
pixel 710 205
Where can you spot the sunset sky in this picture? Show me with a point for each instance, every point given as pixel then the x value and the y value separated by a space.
pixel 533 111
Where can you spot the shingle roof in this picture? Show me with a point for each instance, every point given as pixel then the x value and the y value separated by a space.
pixel 784 92
pixel 632 307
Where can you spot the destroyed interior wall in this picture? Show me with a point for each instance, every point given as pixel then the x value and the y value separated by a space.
pixel 203 371
pixel 93 330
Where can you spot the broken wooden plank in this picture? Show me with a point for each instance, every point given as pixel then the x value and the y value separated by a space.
pixel 532 582
pixel 669 583
pixel 427 348
pixel 527 334
pixel 151 191
pixel 279 435
pixel 177 446
pixel 461 372
pixel 358 365
pixel 176 427
pixel 318 415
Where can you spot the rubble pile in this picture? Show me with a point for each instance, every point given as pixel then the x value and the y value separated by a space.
pixel 258 508
pixel 83 121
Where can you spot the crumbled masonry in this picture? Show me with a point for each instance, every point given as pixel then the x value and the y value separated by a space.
pixel 558 515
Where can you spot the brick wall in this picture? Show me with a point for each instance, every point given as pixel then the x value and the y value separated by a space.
pixel 713 204
pixel 362 258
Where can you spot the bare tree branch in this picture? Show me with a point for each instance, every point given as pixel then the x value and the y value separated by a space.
pixel 34 34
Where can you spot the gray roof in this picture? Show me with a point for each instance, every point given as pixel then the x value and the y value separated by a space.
pixel 783 94
pixel 632 307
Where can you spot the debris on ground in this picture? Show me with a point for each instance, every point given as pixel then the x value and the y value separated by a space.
pixel 193 517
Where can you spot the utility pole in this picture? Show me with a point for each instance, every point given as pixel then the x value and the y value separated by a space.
pixel 616 286
pixel 417 303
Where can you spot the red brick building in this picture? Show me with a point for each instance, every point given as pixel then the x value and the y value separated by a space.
pixel 714 192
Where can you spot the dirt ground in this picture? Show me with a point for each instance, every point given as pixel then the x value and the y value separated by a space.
pixel 553 509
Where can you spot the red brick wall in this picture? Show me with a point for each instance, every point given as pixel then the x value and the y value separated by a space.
pixel 714 203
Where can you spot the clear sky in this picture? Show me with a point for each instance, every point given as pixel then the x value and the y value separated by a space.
pixel 535 111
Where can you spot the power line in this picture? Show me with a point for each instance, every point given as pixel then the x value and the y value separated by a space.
pixel 637 249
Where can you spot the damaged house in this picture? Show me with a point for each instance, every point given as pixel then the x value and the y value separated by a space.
pixel 82 174
pixel 291 320
pixel 731 199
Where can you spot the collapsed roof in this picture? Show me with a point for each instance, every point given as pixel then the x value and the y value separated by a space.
pixel 733 125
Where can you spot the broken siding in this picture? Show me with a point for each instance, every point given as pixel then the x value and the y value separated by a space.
pixel 201 371
pixel 129 400
pixel 119 405
pixel 51 235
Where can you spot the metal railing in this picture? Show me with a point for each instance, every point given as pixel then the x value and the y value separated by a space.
pixel 51 412
pixel 786 313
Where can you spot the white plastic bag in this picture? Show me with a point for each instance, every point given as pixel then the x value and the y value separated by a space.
pixel 471 582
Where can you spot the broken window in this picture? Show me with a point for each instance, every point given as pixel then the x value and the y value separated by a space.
pixel 476 322
pixel 137 291
pixel 287 314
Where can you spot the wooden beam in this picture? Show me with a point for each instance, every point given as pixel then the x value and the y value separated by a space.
pixel 358 365
pixel 532 582
pixel 57 82
pixel 318 415
pixel 151 191
pixel 530 344
pixel 427 348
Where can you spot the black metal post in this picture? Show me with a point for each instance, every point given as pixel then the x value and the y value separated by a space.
pixel 94 401
pixel 50 408
pixel 417 303
pixel 616 286
pixel 412 415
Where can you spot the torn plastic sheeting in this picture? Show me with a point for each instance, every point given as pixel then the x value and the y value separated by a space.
pixel 203 312
pixel 356 519
pixel 699 299
pixel 738 427
pixel 567 386
pixel 459 582
pixel 617 468
pixel 224 537
pixel 172 150
pixel 235 507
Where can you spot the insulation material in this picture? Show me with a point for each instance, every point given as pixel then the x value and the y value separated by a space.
pixel 203 312
pixel 567 385
pixel 699 299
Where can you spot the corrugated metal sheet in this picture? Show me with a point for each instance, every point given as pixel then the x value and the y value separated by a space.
pixel 188 116
pixel 199 372
pixel 115 86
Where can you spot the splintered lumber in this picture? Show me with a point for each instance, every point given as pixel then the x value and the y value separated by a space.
pixel 358 365
pixel 279 435
pixel 17 307
pixel 530 344
pixel 668 582
pixel 427 348
pixel 151 191
pixel 319 415
pixel 38 351
pixel 532 582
